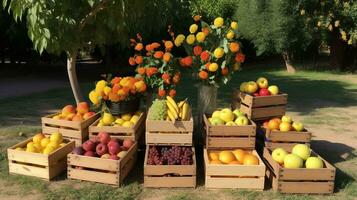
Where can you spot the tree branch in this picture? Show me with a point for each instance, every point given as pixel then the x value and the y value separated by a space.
pixel 100 6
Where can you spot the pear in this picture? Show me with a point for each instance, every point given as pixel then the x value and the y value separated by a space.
pixel 108 119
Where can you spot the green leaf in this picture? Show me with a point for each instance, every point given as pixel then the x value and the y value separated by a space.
pixel 223 65
pixel 46 33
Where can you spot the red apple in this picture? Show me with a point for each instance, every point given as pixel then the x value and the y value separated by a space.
pixel 69 109
pixel 104 137
pixel 128 143
pixel 89 153
pixel 78 151
pixel 264 92
pixel 88 115
pixel 89 145
pixel 82 107
pixel 256 94
pixel 113 147
pixel 101 149
pixel 114 157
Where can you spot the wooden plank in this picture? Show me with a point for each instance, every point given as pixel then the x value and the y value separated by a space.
pixel 289 136
pixel 169 138
pixel 60 153
pixel 286 146
pixel 170 182
pixel 93 176
pixel 28 170
pixel 125 169
pixel 270 163
pixel 323 174
pixel 265 112
pixel 66 133
pixel 57 169
pixel 60 122
pixel 27 157
pixel 306 187
pixel 93 162
pixel 261 101
pixel 233 142
pixel 168 126
pixel 245 109
pixel 241 183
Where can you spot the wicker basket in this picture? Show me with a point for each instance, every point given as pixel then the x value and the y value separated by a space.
pixel 118 108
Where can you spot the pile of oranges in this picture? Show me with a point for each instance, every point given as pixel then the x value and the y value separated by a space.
pixel 235 157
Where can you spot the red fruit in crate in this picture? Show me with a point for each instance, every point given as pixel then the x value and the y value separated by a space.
pixel 69 109
pixel 78 151
pixel 113 147
pixel 101 149
pixel 128 143
pixel 89 153
pixel 88 115
pixel 82 107
pixel 264 92
pixel 256 94
pixel 89 145
pixel 104 137
pixel 77 118
pixel 114 157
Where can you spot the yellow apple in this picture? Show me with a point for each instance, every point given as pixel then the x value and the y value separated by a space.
pixel 285 126
pixel 278 155
pixel 242 86
pixel 273 89
pixel 242 120
pixel 216 114
pixel 301 150
pixel 314 163
pixel 251 87
pixel 231 123
pixel 262 82
pixel 226 115
pixel 287 119
pixel 293 161
pixel 298 126
pixel 216 121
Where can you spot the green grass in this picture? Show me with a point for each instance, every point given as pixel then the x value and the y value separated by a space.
pixel 319 97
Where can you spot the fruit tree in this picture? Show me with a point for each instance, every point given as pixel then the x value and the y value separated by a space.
pixel 69 26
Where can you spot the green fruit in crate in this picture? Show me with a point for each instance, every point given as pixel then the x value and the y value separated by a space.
pixel 108 119
pixel 158 110
pixel 302 150
pixel 217 121
pixel 314 163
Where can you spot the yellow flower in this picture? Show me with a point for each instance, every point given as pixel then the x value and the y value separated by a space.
pixel 107 90
pixel 213 67
pixel 349 41
pixel 94 97
pixel 218 52
pixel 100 86
pixel 230 34
pixel 193 28
pixel 218 22
pixel 190 39
pixel 180 37
pixel 234 25
pixel 344 37
pixel 200 36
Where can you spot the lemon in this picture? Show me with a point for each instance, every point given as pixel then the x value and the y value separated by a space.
pixel 94 97
pixel 218 22
pixel 38 137
pixel 193 28
pixel 100 86
pixel 119 121
pixel 38 146
pixel 48 150
pixel 234 25
pixel 126 117
pixel 230 35
pixel 190 39
pixel 200 36
pixel 55 145
pixel 134 119
pixel 218 52
pixel 213 67
pixel 107 90
pixel 107 119
pixel 56 137
pixel 30 144
pixel 128 124
pixel 45 142
pixel 31 149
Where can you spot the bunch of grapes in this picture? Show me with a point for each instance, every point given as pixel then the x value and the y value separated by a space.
pixel 170 155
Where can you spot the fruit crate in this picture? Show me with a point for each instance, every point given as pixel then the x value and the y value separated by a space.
pixel 286 140
pixel 169 176
pixel 234 176
pixel 301 180
pixel 262 107
pixel 120 132
pixel 38 164
pixel 72 130
pixel 222 136
pixel 169 133
pixel 101 170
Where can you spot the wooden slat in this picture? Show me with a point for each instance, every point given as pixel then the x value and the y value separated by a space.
pixel 261 101
pixel 58 168
pixel 27 157
pixel 289 136
pixel 60 122
pixel 306 187
pixel 125 169
pixel 237 142
pixel 169 138
pixel 323 174
pixel 60 153
pixel 269 162
pixel 170 182
pixel 168 126
pixel 28 170
pixel 66 133
pixel 286 146
pixel 245 109
pixel 242 183
pixel 265 112
pixel 94 176
pixel 93 162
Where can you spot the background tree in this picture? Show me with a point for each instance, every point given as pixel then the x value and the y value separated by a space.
pixel 209 9
pixel 68 26
pixel 274 27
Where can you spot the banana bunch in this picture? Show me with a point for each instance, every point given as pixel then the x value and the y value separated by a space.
pixel 177 111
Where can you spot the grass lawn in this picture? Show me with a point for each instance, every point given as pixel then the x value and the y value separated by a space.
pixel 325 102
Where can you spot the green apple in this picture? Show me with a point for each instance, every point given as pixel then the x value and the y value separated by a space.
pixel 251 87
pixel 262 82
pixel 298 126
pixel 216 114
pixel 231 123
pixel 287 119
pixel 285 126
pixel 238 113
pixel 273 89
pixel 242 86
pixel 216 121
pixel 279 154
pixel 301 150
pixel 314 163
pixel 242 120
pixel 226 115
pixel 293 161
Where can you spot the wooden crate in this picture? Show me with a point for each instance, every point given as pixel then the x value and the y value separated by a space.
pixel 262 107
pixel 71 130
pixel 287 140
pixel 168 133
pixel 302 180
pixel 157 175
pixel 234 176
pixel 38 164
pixel 222 136
pixel 101 170
pixel 120 132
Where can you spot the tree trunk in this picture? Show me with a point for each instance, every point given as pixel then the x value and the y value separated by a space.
pixel 288 62
pixel 72 75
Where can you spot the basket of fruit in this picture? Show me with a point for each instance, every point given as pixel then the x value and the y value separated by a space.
pixel 229 129
pixel 102 159
pixel 284 132
pixel 169 166
pixel 72 122
pixel 299 171
pixel 234 168
pixel 40 156
pixel 259 100
pixel 169 122
pixel 129 125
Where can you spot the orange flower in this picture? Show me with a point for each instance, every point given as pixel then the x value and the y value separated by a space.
pixel 151 71
pixel 114 97
pixel 122 93
pixel 186 61
pixel 115 88
pixel 149 47
pixel 234 47
pixel 206 30
pixel 240 57
pixel 168 45
pixel 196 18
pixel 141 70
pixel 158 54
pixel 132 61
pixel 207 65
pixel 225 71
pixel 115 80
pixel 167 57
pixel 197 50
pixel 139 46
pixel 161 92
pixel 140 86
pixel 172 93
pixel 203 75
pixel 138 59
pixel 165 76
pixel 155 45
pixel 205 56
pixel 176 78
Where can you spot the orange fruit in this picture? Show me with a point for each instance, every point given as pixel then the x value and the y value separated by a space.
pixel 273 124
pixel 234 47
pixel 167 57
pixel 250 159
pixel 239 155
pixel 213 156
pixel 215 162
pixel 277 119
pixel 226 156
pixel 235 162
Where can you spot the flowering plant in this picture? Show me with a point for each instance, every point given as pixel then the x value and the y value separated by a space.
pixel 155 65
pixel 213 52
pixel 117 89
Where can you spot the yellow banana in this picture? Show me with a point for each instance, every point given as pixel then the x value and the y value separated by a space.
pixel 181 104
pixel 173 103
pixel 185 111
pixel 171 116
pixel 167 118
pixel 171 108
